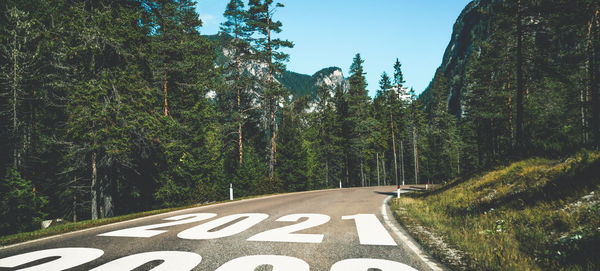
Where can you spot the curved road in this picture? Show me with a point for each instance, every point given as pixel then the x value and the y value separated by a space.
pixel 341 229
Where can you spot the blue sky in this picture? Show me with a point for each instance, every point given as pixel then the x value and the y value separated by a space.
pixel 330 32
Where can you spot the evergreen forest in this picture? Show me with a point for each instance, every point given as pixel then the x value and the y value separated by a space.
pixel 115 107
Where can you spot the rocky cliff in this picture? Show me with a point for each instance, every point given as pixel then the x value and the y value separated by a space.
pixel 298 84
pixel 471 26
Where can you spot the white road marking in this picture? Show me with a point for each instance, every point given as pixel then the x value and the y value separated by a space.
pixel 69 257
pixel 408 241
pixel 172 261
pixel 159 215
pixel 370 230
pixel 204 231
pixel 279 263
pixel 285 234
pixel 400 233
pixel 147 231
pixel 368 264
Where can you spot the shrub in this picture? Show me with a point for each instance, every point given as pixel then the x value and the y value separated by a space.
pixel 20 206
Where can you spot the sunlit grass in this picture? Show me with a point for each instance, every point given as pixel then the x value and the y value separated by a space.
pixel 529 215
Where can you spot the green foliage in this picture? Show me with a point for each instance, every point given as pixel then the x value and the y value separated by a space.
pixel 292 168
pixel 444 144
pixel 249 174
pixel 127 100
pixel 299 84
pixel 261 21
pixel 20 206
pixel 356 122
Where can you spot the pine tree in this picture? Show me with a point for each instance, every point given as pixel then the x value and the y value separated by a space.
pixel 292 157
pixel 442 136
pixel 520 91
pixel 358 104
pixel 398 105
pixel 20 206
pixel 416 126
pixel 94 128
pixel 323 135
pixel 260 20
pixel 236 26
pixel 386 86
pixel 171 21
pixel 594 72
pixel 343 131
pixel 20 48
pixel 398 76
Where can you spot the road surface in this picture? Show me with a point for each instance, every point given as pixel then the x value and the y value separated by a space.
pixel 338 230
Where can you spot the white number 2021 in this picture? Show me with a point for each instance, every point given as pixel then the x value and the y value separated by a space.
pixel 369 228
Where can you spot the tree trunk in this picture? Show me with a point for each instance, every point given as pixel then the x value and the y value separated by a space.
pixel 14 86
pixel 347 173
pixel 377 158
pixel 510 107
pixel 458 162
pixel 362 174
pixel 94 188
pixel 108 205
pixel 402 160
pixel 394 148
pixel 269 52
pixel 595 102
pixel 28 134
pixel 326 173
pixel 273 146
pixel 582 102
pixel 510 120
pixel 416 155
pixel 583 96
pixel 240 138
pixel 385 182
pixel 75 199
pixel 272 101
pixel 165 88
pixel 520 135
pixel 239 94
pixel 101 199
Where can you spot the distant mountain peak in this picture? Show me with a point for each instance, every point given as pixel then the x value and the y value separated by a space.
pixel 298 84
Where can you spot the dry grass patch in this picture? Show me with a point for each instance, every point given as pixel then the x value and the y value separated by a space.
pixel 531 215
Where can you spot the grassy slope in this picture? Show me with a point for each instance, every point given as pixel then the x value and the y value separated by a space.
pixel 534 214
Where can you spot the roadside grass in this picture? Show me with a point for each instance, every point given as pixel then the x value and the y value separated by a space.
pixel 86 224
pixel 531 215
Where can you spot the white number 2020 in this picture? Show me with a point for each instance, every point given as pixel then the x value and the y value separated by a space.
pixel 181 261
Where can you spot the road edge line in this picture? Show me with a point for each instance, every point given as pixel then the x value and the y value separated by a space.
pixel 408 240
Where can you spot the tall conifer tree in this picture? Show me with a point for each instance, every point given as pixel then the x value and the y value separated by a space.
pixel 260 20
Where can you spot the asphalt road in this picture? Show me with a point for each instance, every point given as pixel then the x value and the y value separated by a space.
pixel 323 234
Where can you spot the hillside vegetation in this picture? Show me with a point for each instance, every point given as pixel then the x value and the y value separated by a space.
pixel 530 215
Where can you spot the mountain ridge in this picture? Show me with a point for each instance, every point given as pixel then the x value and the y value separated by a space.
pixel 297 83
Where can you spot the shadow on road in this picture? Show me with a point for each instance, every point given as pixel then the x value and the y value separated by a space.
pixel 386 193
pixel 404 189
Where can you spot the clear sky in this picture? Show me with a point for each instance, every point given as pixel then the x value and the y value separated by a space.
pixel 330 32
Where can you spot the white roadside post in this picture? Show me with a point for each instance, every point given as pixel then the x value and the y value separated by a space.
pixel 230 192
pixel 398 192
pixel 340 184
